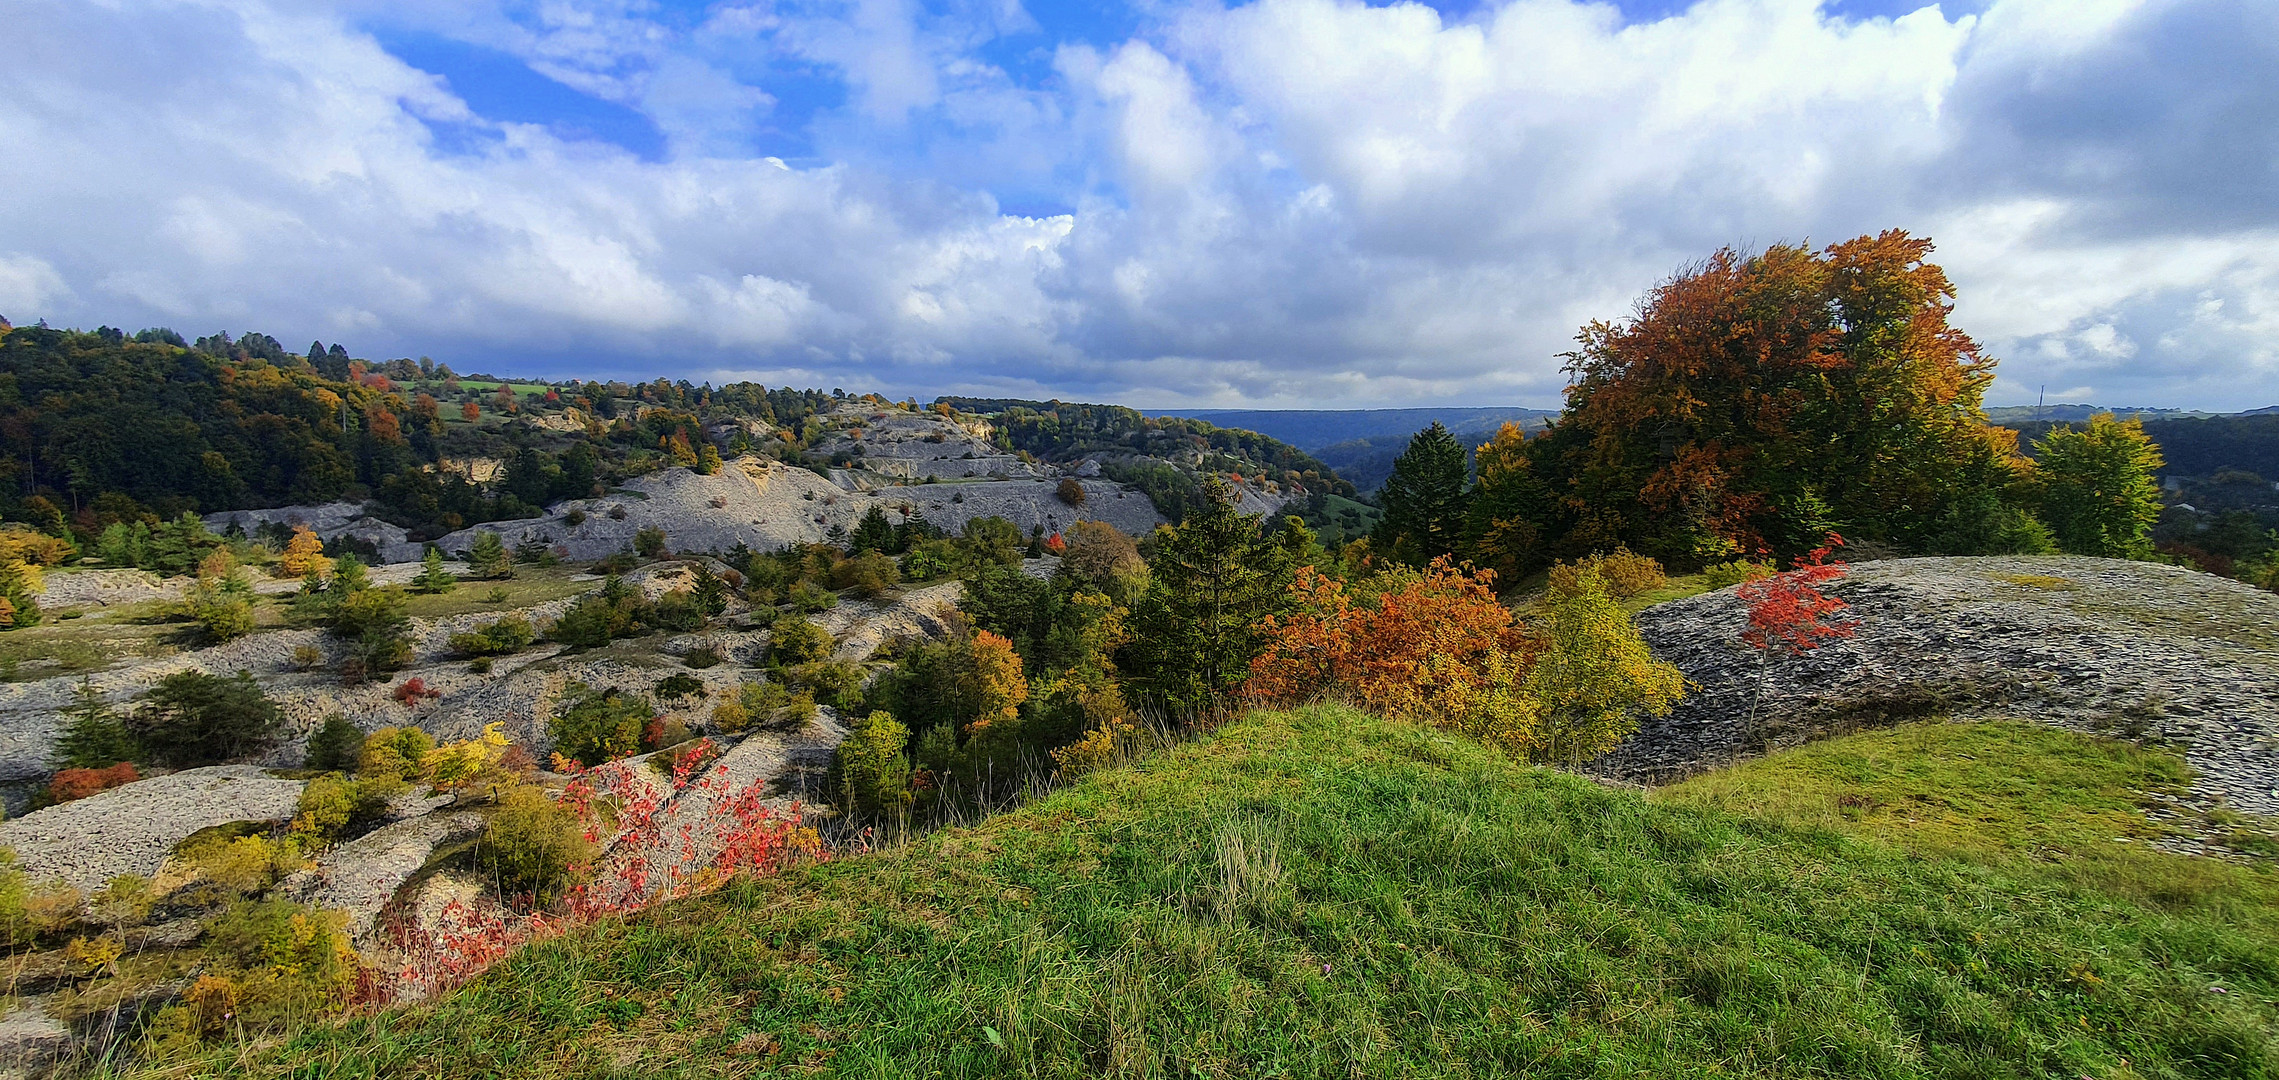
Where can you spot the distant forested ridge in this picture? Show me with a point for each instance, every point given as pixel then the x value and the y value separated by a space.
pixel 99 427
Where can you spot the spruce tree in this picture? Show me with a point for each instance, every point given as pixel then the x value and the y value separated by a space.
pixel 94 736
pixel 487 557
pixel 1424 500
pixel 1214 578
pixel 433 578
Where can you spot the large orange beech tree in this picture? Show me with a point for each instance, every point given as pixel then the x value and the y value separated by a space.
pixel 1755 403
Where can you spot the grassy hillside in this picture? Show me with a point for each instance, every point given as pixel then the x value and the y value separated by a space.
pixel 1321 893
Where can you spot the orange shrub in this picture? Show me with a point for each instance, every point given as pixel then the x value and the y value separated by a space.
pixel 72 784
pixel 1436 646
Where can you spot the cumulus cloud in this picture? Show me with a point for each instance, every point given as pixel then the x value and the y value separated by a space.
pixel 1292 202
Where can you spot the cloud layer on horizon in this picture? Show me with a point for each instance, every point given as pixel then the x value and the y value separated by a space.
pixel 1295 203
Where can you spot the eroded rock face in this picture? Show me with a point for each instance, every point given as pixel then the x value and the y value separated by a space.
pixel 2092 644
pixel 361 876
pixel 130 829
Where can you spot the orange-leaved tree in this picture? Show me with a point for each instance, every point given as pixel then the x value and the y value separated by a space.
pixel 1756 402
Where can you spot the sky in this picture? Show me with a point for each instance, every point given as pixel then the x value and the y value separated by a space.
pixel 1276 204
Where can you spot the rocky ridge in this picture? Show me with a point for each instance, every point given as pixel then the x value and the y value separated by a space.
pixel 2129 648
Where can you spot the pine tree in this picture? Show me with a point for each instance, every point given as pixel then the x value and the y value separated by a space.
pixel 2098 492
pixel 1194 631
pixel 433 578
pixel 1424 500
pixel 487 557
pixel 94 736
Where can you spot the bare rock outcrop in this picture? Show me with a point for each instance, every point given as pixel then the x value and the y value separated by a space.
pixel 361 876
pixel 130 829
pixel 2103 645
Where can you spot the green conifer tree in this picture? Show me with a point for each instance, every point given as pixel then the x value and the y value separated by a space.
pixel 433 578
pixel 1424 500
pixel 487 557
pixel 1194 631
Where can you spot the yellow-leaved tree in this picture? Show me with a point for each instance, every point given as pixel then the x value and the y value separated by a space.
pixel 1594 674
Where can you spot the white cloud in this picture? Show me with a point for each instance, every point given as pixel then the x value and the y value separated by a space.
pixel 1293 202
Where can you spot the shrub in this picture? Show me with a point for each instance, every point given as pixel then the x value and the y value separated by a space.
pixel 1621 573
pixel 192 718
pixel 469 761
pixel 375 622
pixel 1727 574
pixel 592 726
pixel 498 638
pixel 394 752
pixel 480 665
pixel 701 657
pixel 574 518
pixel 869 574
pixel 1071 491
pixel 223 608
pixel 307 656
pixel 729 717
pixel 679 685
pixel 870 771
pixel 333 807
pixel 239 865
pixel 810 598
pixel 677 610
pixel 836 683
pixel 72 784
pixel 661 732
pixel 1593 676
pixel 617 512
pixel 290 961
pixel 533 845
pixel 415 690
pixel 336 746
pixel 796 641
pixel 649 543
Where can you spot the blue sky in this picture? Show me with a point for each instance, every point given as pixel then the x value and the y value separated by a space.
pixel 1284 203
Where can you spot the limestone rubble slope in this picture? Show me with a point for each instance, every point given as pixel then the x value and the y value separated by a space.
pixel 2102 645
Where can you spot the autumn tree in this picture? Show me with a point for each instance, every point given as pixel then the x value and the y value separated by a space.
pixel 1594 676
pixel 2098 489
pixel 1501 520
pixel 1758 402
pixel 303 555
pixel 1424 499
pixel 470 412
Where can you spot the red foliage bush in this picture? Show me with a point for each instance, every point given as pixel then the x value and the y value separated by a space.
pixel 1786 612
pixel 414 690
pixel 79 783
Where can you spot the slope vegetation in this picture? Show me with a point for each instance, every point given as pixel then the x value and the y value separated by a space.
pixel 1321 893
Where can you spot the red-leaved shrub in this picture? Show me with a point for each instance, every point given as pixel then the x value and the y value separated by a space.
pixel 79 783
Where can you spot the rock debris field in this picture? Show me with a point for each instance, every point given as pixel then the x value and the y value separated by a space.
pixel 2131 649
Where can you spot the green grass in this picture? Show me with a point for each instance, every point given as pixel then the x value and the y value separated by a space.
pixel 530 585
pixel 1321 893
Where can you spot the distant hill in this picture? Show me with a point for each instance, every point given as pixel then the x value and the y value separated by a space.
pixel 1314 429
pixel 1361 444
pixel 2012 415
